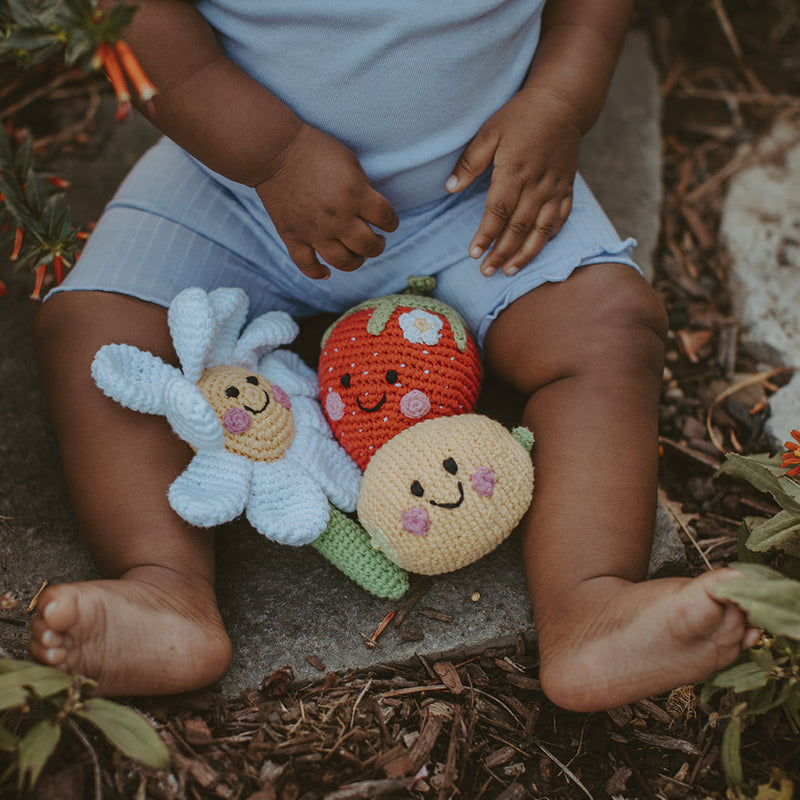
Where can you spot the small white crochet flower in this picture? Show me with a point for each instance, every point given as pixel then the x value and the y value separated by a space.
pixel 248 410
pixel 421 327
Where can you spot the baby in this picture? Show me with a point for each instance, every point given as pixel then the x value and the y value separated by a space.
pixel 318 153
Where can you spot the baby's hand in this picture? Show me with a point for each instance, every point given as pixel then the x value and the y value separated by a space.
pixel 321 203
pixel 532 141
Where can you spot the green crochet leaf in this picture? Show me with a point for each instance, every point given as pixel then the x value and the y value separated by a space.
pixel 347 546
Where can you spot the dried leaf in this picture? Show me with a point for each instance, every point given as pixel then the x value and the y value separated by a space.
pixel 276 684
pixel 692 342
pixel 449 676
pixel 196 731
pixel 127 730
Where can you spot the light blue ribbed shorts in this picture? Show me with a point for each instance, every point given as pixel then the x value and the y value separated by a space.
pixel 172 225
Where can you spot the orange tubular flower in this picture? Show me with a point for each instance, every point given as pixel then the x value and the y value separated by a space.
pixel 133 69
pixel 3 289
pixel 37 288
pixel 17 245
pixel 791 458
pixel 60 183
pixel 58 268
pixel 111 65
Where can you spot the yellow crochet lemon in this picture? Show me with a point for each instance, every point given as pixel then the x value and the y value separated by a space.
pixel 256 415
pixel 446 491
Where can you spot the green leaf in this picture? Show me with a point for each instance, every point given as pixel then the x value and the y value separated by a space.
pixel 781 532
pixel 35 749
pixel 771 600
pixel 729 753
pixel 742 677
pixel 764 478
pixel 763 658
pixel 127 730
pixel 17 676
pixel 8 741
pixel 792 705
pixel 35 192
pixel 742 535
pixel 12 691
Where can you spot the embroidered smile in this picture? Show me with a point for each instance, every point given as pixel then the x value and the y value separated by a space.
pixel 259 410
pixel 451 505
pixel 373 408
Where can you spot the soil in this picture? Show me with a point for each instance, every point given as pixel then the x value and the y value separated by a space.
pixel 483 729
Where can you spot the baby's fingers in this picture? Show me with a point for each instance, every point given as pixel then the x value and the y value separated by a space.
pixel 501 209
pixel 377 211
pixel 305 258
pixel 474 161
pixel 523 240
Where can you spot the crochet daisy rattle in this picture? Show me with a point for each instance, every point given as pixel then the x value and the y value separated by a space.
pixel 247 409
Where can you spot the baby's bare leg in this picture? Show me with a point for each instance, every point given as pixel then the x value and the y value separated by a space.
pixel 589 352
pixel 151 626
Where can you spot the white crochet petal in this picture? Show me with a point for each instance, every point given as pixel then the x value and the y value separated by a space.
pixel 329 466
pixel 213 489
pixel 290 372
pixel 308 414
pixel 193 327
pixel 230 311
pixel 266 332
pixel 285 504
pixel 133 377
pixel 191 417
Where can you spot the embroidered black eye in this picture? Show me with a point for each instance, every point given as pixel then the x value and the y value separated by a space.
pixel 450 465
pixel 345 380
pixel 252 379
pixel 232 391
pixel 416 489
pixel 391 376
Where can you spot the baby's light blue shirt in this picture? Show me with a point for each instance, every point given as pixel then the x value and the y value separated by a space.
pixel 404 83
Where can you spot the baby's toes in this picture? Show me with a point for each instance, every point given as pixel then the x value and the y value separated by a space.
pixel 59 606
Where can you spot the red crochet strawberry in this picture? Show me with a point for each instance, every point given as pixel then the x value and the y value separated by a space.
pixel 393 361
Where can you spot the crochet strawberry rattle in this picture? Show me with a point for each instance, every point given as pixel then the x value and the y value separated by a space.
pixel 399 376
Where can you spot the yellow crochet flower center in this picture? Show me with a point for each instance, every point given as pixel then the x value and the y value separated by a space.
pixel 254 415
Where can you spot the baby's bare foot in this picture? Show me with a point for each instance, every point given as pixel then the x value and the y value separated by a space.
pixel 153 631
pixel 627 641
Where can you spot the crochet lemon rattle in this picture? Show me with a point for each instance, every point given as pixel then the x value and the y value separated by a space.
pixel 399 377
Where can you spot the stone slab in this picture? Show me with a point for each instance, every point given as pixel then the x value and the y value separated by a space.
pixel 761 229
pixel 283 604
pixel 621 156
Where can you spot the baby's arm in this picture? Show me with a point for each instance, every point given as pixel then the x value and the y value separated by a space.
pixel 532 141
pixel 312 186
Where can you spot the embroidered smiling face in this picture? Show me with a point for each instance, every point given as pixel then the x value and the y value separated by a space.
pixel 388 366
pixel 256 415
pixel 445 492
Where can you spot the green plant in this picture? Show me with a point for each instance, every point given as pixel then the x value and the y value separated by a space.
pixel 58 704
pixel 34 214
pixel 34 219
pixel 768 675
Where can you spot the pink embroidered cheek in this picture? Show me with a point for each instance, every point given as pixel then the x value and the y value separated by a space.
pixel 334 406
pixel 236 420
pixel 415 520
pixel 415 404
pixel 483 481
pixel 281 397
